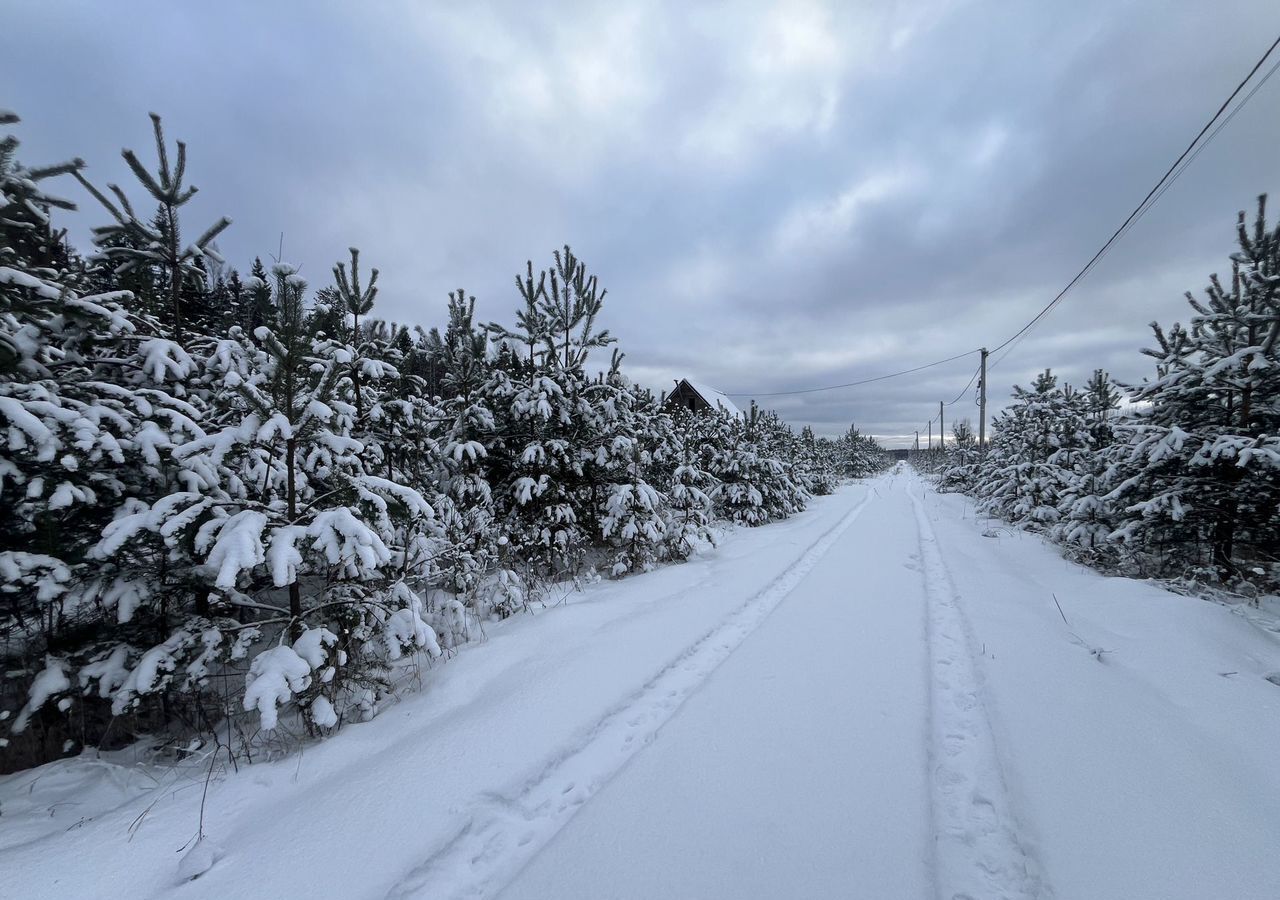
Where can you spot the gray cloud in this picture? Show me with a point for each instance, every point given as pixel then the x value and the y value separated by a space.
pixel 777 196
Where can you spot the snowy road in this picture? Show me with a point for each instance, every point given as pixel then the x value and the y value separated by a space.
pixel 799 769
pixel 879 698
pixel 842 751
pixel 852 746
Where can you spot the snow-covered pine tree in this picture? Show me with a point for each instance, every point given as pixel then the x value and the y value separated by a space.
pixel 750 457
pixel 962 460
pixel 355 301
pixel 260 307
pixel 727 457
pixel 782 481
pixel 277 500
pixel 859 455
pixel 469 566
pixel 159 372
pixel 1102 399
pixel 1036 440
pixel 1203 481
pixel 815 463
pixel 66 432
pixel 571 307
pixel 158 243
pixel 545 416
pixel 604 422
pixel 632 454
pixel 217 312
pixel 1086 515
pixel 688 487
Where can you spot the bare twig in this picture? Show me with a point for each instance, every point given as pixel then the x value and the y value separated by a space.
pixel 1060 612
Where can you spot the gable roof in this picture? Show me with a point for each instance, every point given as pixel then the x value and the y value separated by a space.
pixel 714 397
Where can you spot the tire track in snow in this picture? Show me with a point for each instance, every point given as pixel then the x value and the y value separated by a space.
pixel 977 852
pixel 506 831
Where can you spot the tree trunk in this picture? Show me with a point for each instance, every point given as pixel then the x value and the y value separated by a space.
pixel 175 276
pixel 295 592
pixel 1223 541
pixel 355 368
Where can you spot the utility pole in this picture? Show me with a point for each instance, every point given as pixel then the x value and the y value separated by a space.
pixel 917 440
pixel 982 404
pixel 942 429
pixel 931 434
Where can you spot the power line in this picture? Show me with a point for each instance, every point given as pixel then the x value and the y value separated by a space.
pixel 834 387
pixel 1013 342
pixel 965 389
pixel 1221 125
pixel 938 417
pixel 1148 200
pixel 1166 180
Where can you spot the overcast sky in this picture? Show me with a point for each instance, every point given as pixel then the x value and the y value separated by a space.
pixel 776 195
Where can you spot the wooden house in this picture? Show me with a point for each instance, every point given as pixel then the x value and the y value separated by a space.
pixel 693 396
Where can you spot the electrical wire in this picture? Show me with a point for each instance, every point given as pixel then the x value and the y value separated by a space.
pixel 1221 125
pixel 834 387
pixel 1171 175
pixel 965 389
pixel 1012 343
pixel 1167 179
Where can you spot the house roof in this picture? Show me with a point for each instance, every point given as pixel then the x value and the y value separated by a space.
pixel 714 398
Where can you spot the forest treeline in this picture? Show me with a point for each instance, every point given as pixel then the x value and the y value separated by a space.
pixel 235 511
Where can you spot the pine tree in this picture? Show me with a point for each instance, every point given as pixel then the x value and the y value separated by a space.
pixel 261 308
pixel 1086 515
pixel 632 453
pixel 549 425
pixel 817 463
pixel 1036 440
pixel 469 515
pixel 962 459
pixel 356 301
pixel 859 455
pixel 86 426
pixel 751 459
pixel 160 242
pixel 689 490
pixel 1204 454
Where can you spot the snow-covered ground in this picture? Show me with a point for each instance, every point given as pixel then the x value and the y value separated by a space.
pixel 873 699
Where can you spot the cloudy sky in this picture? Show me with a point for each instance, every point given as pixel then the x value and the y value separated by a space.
pixel 777 195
